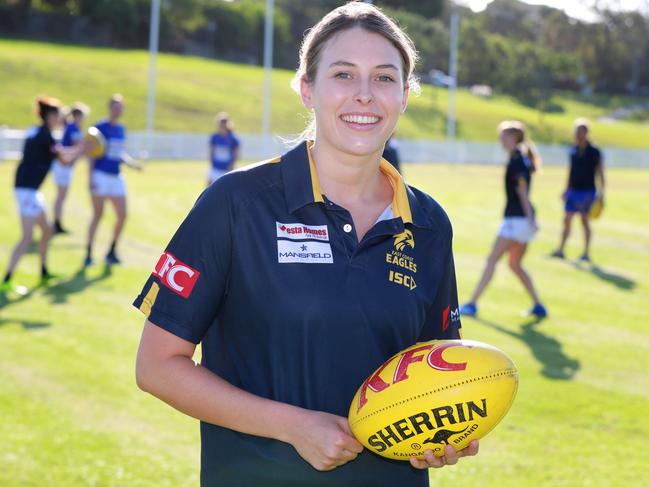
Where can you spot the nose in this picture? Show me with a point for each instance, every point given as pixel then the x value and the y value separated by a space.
pixel 364 94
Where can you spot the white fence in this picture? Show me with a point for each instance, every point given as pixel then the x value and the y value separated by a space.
pixel 192 146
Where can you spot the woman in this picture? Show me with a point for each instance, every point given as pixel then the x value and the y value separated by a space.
pixel 519 225
pixel 106 181
pixel 299 276
pixel 39 151
pixel 72 136
pixel 223 148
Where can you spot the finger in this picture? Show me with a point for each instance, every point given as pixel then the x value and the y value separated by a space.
pixel 432 460
pixel 470 450
pixel 347 442
pixel 419 463
pixel 450 455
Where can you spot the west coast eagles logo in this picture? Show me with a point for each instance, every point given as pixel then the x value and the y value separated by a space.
pixel 404 239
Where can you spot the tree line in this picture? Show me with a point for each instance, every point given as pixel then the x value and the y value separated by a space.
pixel 523 50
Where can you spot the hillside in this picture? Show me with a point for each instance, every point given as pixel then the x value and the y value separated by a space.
pixel 191 90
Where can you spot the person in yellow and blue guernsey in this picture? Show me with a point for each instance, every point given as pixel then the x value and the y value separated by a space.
pixel 300 275
pixel 107 181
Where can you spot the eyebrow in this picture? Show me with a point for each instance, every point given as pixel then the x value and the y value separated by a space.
pixel 347 63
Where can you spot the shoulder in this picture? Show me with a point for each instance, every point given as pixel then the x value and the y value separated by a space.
pixel 427 212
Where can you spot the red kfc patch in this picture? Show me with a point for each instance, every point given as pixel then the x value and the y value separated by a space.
pixel 176 275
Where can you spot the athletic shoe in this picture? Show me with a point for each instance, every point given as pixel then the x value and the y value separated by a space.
pixel 469 309
pixel 558 254
pixel 584 258
pixel 87 262
pixel 112 259
pixel 539 311
pixel 58 229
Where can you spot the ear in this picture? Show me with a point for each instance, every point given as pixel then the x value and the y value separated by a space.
pixel 306 92
pixel 404 101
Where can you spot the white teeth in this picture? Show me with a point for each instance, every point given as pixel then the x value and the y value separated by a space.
pixel 360 119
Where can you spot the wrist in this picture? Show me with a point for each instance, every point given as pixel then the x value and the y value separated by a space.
pixel 287 422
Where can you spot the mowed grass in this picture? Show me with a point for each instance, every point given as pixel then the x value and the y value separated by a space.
pixel 191 90
pixel 73 416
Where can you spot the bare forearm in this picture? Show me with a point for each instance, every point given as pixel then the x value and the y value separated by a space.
pixel 199 393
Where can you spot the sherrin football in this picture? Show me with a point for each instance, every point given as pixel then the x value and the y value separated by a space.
pixel 433 394
pixel 95 144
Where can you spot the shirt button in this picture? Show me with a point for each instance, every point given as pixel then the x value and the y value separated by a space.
pixel 347 227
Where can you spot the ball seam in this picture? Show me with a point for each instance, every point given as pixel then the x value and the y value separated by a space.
pixel 433 391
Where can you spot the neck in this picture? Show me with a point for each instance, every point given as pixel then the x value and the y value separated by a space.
pixel 348 178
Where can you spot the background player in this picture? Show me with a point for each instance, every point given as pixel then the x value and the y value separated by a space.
pixel 106 180
pixel 223 147
pixel 72 137
pixel 586 168
pixel 39 151
pixel 519 225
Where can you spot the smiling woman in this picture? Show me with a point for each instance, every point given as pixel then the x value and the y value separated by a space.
pixel 301 275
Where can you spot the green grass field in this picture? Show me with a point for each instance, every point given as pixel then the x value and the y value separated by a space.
pixel 73 416
pixel 191 90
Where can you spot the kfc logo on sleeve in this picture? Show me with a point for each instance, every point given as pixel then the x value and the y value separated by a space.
pixel 176 275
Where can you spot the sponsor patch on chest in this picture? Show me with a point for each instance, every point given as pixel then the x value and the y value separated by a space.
pixel 299 231
pixel 304 252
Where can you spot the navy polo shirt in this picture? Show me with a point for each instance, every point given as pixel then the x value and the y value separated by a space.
pixel 269 276
pixel 583 163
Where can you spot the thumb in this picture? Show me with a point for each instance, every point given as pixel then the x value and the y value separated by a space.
pixel 351 443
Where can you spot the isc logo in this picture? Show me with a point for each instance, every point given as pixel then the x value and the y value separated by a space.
pixel 176 275
pixel 403 279
pixel 433 359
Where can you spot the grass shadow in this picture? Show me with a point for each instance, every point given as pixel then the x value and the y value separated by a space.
pixel 617 280
pixel 546 349
pixel 26 324
pixel 80 281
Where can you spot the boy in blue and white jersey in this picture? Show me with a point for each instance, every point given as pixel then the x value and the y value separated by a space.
pixel 223 149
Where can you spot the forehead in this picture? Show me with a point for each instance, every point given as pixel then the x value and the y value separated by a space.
pixel 360 47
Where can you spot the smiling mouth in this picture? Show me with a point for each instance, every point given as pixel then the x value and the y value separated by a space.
pixel 360 119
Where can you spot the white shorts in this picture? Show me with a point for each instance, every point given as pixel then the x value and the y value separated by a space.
pixel 30 202
pixel 62 174
pixel 215 174
pixel 517 228
pixel 106 184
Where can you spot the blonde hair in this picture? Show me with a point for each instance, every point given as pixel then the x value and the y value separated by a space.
pixel 116 98
pixel 224 117
pixel 523 142
pixel 353 14
pixel 582 122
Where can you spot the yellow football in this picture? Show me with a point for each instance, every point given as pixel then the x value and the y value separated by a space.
pixel 95 144
pixel 433 394
pixel 596 208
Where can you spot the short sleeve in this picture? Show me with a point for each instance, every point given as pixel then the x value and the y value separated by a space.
pixel 235 142
pixel 443 317
pixel 189 280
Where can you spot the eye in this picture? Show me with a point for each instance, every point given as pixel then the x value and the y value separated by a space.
pixel 343 75
pixel 385 78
